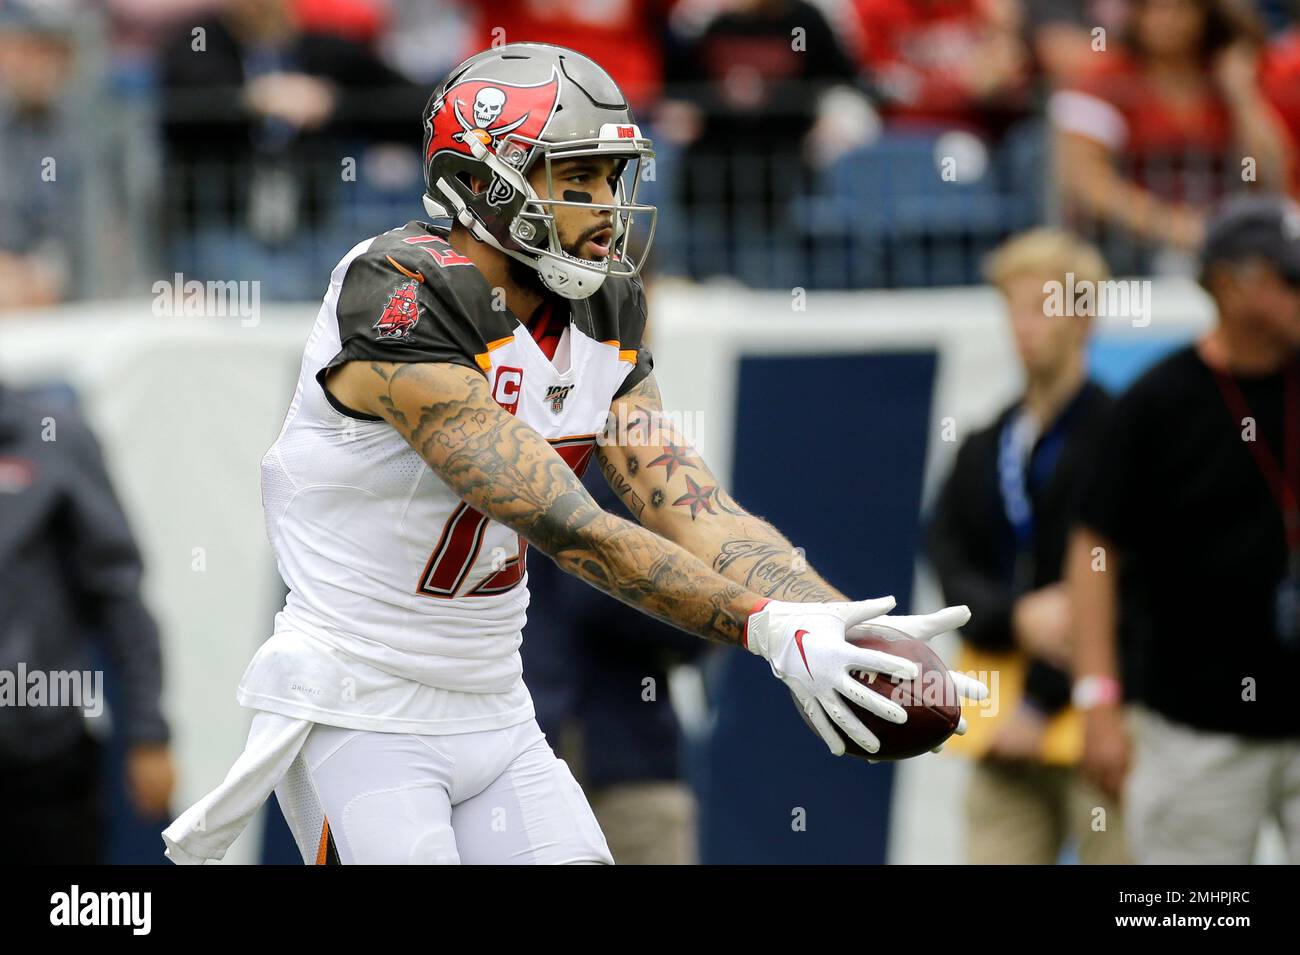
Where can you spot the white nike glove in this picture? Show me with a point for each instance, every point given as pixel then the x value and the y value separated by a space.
pixel 926 627
pixel 805 645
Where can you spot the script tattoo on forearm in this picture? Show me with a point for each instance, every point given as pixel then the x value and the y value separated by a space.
pixel 767 567
pixel 506 470
pixel 622 487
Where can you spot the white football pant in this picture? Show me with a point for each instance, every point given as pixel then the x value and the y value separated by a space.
pixel 492 797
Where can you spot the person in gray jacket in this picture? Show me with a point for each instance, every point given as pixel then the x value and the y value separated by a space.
pixel 69 575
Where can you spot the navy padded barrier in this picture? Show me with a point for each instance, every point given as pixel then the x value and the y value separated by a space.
pixel 842 441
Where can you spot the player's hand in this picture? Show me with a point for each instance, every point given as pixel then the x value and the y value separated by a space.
pixel 805 645
pixel 927 627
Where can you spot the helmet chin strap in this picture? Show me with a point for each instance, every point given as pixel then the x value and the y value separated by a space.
pixel 567 280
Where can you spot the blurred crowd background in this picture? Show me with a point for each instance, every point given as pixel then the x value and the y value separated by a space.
pixel 239 138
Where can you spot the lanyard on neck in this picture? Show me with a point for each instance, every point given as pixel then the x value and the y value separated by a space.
pixel 1014 446
pixel 1281 484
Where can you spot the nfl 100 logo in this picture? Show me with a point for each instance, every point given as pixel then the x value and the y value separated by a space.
pixel 556 395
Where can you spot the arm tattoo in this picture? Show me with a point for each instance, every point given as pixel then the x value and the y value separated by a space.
pixel 768 568
pixel 742 547
pixel 674 456
pixel 728 504
pixel 697 498
pixel 622 487
pixel 506 470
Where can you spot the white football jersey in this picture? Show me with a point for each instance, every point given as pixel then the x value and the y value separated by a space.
pixel 406 607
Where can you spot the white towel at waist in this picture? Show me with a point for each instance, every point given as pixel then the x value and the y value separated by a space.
pixel 206 830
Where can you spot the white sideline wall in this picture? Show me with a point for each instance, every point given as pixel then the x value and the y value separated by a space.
pixel 186 406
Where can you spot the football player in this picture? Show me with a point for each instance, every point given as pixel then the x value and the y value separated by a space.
pixel 455 384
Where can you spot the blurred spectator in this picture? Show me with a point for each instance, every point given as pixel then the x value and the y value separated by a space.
pixel 138 26
pixel 1163 124
pixel 361 21
pixel 143 23
pixel 1281 78
pixel 756 100
pixel 426 38
pixel 256 112
pixel 69 571
pixel 946 63
pixel 997 541
pixel 42 208
pixel 598 674
pixel 1185 570
pixel 624 35
pixel 1064 34
pixel 1276 15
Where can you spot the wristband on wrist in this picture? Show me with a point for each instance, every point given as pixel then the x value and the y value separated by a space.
pixel 1091 692
pixel 744 634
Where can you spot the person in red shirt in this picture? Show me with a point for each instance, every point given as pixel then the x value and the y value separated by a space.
pixel 1061 34
pixel 1280 75
pixel 1165 122
pixel 754 115
pixel 361 21
pixel 624 34
pixel 947 63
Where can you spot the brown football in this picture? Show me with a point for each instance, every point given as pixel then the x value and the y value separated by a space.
pixel 931 701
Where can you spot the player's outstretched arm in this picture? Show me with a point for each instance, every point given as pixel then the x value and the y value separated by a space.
pixel 665 483
pixel 667 486
pixel 507 471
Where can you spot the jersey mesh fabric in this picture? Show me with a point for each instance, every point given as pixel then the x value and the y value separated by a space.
pixel 302 809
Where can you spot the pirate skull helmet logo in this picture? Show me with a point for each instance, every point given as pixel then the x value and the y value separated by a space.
pixel 488 105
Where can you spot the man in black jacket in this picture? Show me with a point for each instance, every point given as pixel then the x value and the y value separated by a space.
pixel 1186 566
pixel 997 541
pixel 69 571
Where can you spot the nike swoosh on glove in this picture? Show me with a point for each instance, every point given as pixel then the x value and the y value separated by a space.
pixel 806 647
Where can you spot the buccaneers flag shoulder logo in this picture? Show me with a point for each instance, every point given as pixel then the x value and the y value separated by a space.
pixel 400 314
pixel 489 110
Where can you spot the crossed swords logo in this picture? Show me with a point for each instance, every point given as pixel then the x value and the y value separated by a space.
pixel 487 107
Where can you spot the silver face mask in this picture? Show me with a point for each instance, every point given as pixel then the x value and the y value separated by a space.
pixel 533 230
